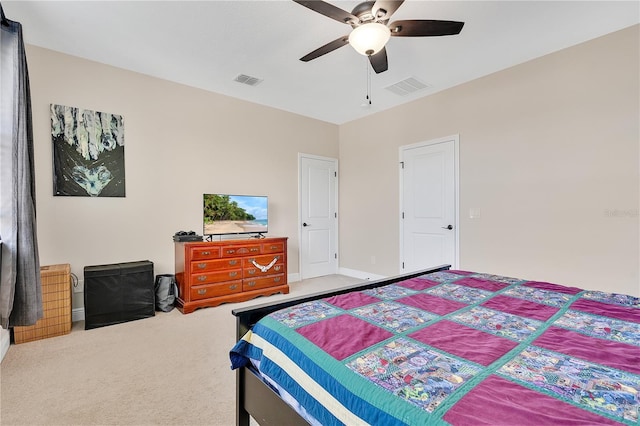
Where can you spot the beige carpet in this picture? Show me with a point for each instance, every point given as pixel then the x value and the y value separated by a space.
pixel 170 369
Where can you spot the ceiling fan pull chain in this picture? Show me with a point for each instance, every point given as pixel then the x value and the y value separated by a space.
pixel 368 81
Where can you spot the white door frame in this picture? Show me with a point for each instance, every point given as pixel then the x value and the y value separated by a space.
pixel 300 189
pixel 456 173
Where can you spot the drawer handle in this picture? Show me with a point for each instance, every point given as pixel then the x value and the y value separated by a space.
pixel 251 284
pixel 243 250
pixel 205 253
pixel 254 249
pixel 233 262
pixel 277 268
pixel 251 271
pixel 202 291
pixel 202 278
pixel 233 286
pixel 275 247
pixel 276 280
pixel 230 251
pixel 265 268
pixel 202 265
pixel 233 274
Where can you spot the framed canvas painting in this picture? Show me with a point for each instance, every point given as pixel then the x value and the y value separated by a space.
pixel 88 152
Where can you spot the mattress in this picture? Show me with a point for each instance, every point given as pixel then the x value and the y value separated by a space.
pixel 454 347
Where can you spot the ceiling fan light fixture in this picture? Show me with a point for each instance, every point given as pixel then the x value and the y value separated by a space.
pixel 368 39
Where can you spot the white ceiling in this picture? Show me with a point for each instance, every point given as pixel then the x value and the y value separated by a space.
pixel 206 44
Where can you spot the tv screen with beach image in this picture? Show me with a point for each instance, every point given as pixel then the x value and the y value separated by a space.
pixel 234 214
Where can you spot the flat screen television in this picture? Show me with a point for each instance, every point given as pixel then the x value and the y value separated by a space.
pixel 234 214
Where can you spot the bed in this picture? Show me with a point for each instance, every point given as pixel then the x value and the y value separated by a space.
pixel 441 346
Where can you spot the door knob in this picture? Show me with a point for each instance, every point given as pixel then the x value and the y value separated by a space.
pixel 449 227
pixel 305 224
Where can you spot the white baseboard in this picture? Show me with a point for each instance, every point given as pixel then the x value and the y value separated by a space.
pixel 77 314
pixel 5 342
pixel 292 278
pixel 360 274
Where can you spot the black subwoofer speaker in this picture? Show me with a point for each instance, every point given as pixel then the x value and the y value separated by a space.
pixel 117 293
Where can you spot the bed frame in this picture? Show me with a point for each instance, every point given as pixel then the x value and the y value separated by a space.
pixel 253 397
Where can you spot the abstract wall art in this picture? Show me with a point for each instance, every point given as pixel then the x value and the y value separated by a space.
pixel 88 152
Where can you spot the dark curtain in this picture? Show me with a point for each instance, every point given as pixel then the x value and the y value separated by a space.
pixel 20 288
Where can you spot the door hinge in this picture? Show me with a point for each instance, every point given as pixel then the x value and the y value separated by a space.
pixel 403 215
pixel 335 174
pixel 402 164
pixel 402 265
pixel 335 255
pixel 335 215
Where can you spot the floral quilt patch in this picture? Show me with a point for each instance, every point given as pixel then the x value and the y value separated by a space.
pixel 390 292
pixel 498 323
pixel 537 295
pixel 441 276
pixel 601 388
pixel 305 313
pixel 599 326
pixel 460 293
pixel 498 278
pixel 614 298
pixel 394 316
pixel 413 372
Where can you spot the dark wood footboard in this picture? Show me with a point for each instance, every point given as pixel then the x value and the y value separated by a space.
pixel 253 397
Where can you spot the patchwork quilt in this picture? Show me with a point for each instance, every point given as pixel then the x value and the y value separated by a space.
pixel 455 347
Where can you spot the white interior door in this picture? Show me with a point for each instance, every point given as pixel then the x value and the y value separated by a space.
pixel 429 218
pixel 318 216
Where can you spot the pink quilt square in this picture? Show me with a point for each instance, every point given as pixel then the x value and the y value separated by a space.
pixel 624 313
pixel 459 272
pixel 497 401
pixel 552 287
pixel 521 307
pixel 607 352
pixel 343 335
pixel 418 283
pixel 465 342
pixel 433 304
pixel 481 284
pixel 352 300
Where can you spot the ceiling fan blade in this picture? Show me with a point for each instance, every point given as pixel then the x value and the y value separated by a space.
pixel 329 47
pixel 379 61
pixel 388 6
pixel 425 28
pixel 329 10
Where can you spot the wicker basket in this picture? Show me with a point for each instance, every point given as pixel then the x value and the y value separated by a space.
pixel 56 306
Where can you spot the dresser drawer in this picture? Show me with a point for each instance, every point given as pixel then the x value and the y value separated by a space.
pixel 244 250
pixel 199 292
pixel 273 248
pixel 215 265
pixel 216 276
pixel 203 253
pixel 247 262
pixel 257 283
pixel 252 271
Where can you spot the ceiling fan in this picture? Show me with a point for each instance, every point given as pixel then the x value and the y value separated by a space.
pixel 370 29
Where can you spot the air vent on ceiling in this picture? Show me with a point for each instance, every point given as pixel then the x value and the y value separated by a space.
pixel 247 79
pixel 407 86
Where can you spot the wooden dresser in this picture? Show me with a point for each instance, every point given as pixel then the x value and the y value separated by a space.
pixel 212 273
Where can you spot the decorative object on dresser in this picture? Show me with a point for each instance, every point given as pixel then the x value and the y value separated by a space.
pixel 56 304
pixel 212 273
pixel 117 293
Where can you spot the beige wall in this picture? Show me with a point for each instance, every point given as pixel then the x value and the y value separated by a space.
pixel 549 153
pixel 180 142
